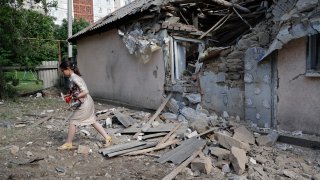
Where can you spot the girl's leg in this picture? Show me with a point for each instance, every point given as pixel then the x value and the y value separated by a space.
pixel 107 137
pixel 71 133
pixel 100 129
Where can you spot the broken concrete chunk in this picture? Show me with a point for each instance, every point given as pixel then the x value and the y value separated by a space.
pixel 220 152
pixel 193 98
pixel 172 20
pixel 194 133
pixel 303 5
pixel 181 118
pixel 290 174
pixel 14 150
pixel 260 159
pixel 173 106
pixel 29 153
pixel 226 168
pixel 83 149
pixel 261 172
pixel 203 165
pixel 169 116
pixel 242 134
pixel 202 110
pixel 213 120
pixel 227 142
pixel 252 161
pixel 155 123
pixel 192 115
pixel 238 159
pixel 268 140
pixel 201 125
pixel 225 114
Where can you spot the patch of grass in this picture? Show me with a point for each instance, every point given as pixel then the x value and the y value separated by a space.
pixel 28 81
pixel 22 75
pixel 26 87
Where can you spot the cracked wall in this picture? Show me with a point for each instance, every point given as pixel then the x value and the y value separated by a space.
pixel 298 106
pixel 112 73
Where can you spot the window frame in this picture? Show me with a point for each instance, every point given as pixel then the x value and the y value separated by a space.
pixel 313 56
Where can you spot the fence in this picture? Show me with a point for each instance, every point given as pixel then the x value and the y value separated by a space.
pixel 47 72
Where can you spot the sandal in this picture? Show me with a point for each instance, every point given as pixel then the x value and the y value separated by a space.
pixel 108 141
pixel 65 146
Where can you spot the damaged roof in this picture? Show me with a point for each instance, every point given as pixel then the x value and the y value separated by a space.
pixel 130 9
pixel 222 21
pixel 298 19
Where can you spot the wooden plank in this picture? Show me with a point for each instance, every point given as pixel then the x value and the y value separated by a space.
pixel 206 132
pixel 121 147
pixel 125 120
pixel 182 152
pixel 161 128
pixel 131 130
pixel 176 171
pixel 147 145
pixel 156 114
pixel 153 135
pixel 161 146
pixel 169 134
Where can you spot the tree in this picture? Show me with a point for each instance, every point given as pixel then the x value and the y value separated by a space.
pixel 26 37
pixel 61 32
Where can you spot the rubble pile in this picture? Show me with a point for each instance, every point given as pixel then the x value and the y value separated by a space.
pixel 203 141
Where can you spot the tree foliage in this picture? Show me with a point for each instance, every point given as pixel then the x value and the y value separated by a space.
pixel 27 37
pixel 61 32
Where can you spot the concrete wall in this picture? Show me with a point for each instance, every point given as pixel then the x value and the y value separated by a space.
pixel 221 97
pixel 112 73
pixel 299 96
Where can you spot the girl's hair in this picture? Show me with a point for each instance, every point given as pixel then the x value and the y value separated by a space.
pixel 68 64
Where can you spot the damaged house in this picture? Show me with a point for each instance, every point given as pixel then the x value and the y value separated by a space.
pixel 257 60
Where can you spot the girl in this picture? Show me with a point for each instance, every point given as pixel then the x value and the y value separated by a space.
pixel 82 104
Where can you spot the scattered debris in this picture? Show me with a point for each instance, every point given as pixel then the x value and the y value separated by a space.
pixel 14 150
pixel 124 119
pixel 268 140
pixel 26 161
pixel 238 159
pixel 83 149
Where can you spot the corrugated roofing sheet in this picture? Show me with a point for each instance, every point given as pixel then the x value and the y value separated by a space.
pixel 130 9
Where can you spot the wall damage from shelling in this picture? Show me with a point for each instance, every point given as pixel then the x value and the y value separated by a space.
pixel 217 53
pixel 211 51
pixel 197 40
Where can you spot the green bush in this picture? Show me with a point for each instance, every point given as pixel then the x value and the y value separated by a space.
pixel 11 91
pixel 8 76
pixel 15 82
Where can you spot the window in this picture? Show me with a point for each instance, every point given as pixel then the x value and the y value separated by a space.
pixel 185 57
pixel 313 58
pixel 108 2
pixel 108 11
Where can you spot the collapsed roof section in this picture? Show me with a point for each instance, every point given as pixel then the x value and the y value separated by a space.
pixel 296 19
pixel 221 22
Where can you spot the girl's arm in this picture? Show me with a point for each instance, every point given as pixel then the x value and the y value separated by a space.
pixel 82 86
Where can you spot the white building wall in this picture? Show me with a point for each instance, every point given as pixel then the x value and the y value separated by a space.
pixel 59 12
pixel 30 4
pixel 101 8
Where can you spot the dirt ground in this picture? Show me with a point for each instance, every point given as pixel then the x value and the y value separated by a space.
pixel 40 144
